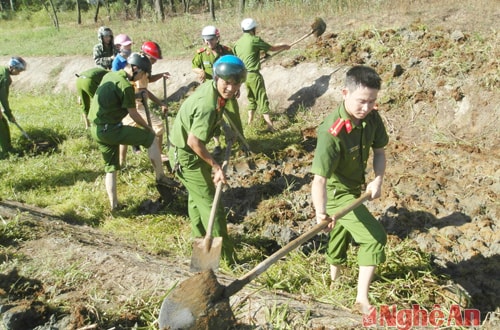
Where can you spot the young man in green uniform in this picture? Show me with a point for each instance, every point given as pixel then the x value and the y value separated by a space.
pixel 249 48
pixel 205 57
pixel 16 66
pixel 203 62
pixel 86 85
pixel 113 100
pixel 344 141
pixel 194 126
pixel 104 51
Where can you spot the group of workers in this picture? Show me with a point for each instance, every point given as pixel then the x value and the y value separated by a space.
pixel 114 104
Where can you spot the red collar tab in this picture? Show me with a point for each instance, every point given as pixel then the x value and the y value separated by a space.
pixel 221 102
pixel 348 126
pixel 338 125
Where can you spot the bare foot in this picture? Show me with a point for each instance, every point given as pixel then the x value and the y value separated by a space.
pixel 363 309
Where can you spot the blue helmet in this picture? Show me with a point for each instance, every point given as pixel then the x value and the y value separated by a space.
pixel 17 63
pixel 230 67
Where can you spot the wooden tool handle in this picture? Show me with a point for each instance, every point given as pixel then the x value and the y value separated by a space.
pixel 218 193
pixel 146 107
pixel 238 284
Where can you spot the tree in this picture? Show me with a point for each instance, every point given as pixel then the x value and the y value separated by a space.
pixel 242 6
pixel 212 9
pixel 52 15
pixel 78 12
pixel 159 10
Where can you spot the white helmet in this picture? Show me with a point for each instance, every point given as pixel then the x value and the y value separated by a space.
pixel 248 24
pixel 210 32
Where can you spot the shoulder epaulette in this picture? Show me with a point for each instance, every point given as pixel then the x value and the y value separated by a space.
pixel 201 50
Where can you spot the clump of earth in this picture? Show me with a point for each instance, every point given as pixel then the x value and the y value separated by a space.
pixel 440 105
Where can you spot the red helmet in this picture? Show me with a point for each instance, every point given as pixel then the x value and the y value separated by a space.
pixel 152 49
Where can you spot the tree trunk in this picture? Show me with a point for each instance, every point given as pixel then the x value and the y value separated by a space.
pixel 52 15
pixel 160 15
pixel 172 6
pixel 212 9
pixel 97 11
pixel 242 6
pixel 186 4
pixel 78 13
pixel 138 8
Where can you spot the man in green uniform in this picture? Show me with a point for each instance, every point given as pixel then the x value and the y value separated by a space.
pixel 86 85
pixel 193 127
pixel 249 48
pixel 344 141
pixel 16 66
pixel 203 62
pixel 205 57
pixel 113 100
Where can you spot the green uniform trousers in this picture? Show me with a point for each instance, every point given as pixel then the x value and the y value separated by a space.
pixel 359 225
pixel 5 141
pixel 196 175
pixel 256 93
pixel 110 136
pixel 85 89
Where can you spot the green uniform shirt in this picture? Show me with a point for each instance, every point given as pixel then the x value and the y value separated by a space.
pixel 199 115
pixel 113 97
pixel 248 49
pixel 94 74
pixel 206 57
pixel 342 159
pixel 5 82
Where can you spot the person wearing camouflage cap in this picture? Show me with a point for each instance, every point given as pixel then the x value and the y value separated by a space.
pixel 104 51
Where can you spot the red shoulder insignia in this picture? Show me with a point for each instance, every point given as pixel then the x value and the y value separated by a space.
pixel 336 127
pixel 201 50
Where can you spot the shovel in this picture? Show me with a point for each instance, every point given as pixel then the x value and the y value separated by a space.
pixel 23 132
pixel 37 146
pixel 167 129
pixel 207 250
pixel 191 304
pixel 165 191
pixel 318 28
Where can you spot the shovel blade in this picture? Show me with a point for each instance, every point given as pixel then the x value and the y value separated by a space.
pixel 175 316
pixel 196 303
pixel 206 256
